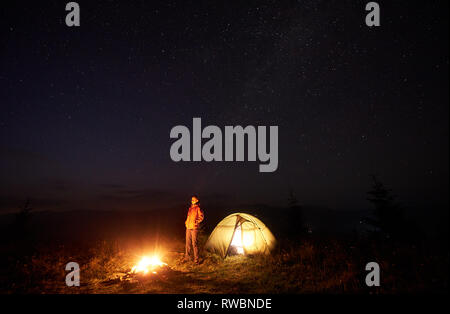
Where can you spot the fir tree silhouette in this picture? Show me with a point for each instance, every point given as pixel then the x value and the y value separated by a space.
pixel 387 215
pixel 296 223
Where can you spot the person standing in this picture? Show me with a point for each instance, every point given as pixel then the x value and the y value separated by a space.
pixel 194 217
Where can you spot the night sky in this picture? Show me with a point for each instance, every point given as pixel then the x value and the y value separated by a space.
pixel 86 111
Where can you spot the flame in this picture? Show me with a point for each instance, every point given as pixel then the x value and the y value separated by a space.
pixel 147 264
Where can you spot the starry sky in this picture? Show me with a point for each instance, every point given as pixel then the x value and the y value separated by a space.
pixel 86 111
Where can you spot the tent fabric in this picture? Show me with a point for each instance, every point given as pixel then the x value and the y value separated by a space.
pixel 255 236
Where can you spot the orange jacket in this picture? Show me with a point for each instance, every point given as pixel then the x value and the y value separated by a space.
pixel 194 217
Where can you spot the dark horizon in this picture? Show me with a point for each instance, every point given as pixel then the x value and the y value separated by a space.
pixel 87 111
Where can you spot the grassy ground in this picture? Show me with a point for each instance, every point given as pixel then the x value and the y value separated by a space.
pixel 303 266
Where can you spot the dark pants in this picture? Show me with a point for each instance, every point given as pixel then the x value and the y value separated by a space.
pixel 191 238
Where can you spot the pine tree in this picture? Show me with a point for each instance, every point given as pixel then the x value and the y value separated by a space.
pixel 387 215
pixel 292 200
pixel 295 220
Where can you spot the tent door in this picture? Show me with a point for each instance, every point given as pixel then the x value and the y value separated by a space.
pixel 236 246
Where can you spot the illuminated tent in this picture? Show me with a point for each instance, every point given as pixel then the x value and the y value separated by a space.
pixel 240 233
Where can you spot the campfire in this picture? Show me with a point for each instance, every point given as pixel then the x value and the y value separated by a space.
pixel 148 264
pixel 148 268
